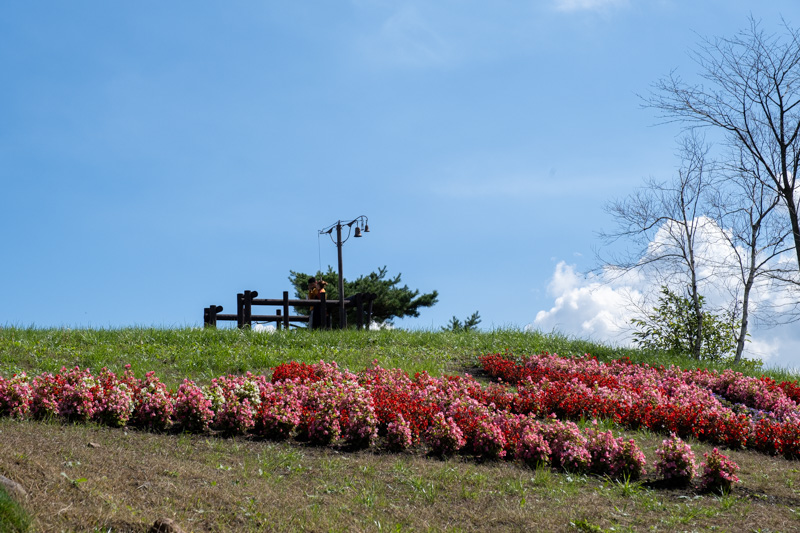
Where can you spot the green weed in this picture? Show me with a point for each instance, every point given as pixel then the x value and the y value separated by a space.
pixel 13 518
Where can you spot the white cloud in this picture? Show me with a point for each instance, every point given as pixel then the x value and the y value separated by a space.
pixel 587 5
pixel 711 249
pixel 589 307
pixel 600 306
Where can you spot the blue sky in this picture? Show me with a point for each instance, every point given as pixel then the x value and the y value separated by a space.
pixel 158 157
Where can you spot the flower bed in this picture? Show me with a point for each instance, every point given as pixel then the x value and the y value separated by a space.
pixel 721 408
pixel 324 405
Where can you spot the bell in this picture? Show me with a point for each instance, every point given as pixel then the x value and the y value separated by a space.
pixel 366 228
pixel 358 232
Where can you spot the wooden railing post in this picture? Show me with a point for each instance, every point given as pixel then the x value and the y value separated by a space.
pixel 359 311
pixel 369 308
pixel 248 307
pixel 240 310
pixel 210 316
pixel 321 316
pixel 286 309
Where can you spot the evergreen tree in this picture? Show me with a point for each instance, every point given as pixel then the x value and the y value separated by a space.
pixel 470 323
pixel 392 300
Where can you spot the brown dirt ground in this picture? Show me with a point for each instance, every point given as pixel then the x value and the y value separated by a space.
pixel 92 478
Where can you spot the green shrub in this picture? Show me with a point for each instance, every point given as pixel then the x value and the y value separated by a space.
pixel 673 328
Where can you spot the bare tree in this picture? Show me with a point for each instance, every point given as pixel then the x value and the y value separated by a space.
pixel 757 237
pixel 664 221
pixel 716 226
pixel 753 96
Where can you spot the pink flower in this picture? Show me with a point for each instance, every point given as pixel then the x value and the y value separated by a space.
pixel 719 472
pixel 675 461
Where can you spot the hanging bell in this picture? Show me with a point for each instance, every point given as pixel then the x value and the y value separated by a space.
pixel 358 232
pixel 366 228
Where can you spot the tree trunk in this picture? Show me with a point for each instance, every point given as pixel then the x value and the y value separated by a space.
pixel 745 318
pixel 697 348
pixel 697 345
pixel 788 196
pixel 755 230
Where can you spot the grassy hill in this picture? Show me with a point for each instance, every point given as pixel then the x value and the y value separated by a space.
pixel 87 477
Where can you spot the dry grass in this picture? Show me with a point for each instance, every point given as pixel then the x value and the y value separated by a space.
pixel 90 478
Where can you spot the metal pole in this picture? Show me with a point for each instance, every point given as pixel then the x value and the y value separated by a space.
pixel 342 317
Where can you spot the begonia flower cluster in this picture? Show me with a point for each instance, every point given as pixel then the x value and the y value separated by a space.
pixel 325 405
pixel 722 408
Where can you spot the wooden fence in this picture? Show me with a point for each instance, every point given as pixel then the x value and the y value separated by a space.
pixel 319 317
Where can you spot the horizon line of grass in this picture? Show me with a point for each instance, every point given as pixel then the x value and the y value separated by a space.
pixel 201 354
